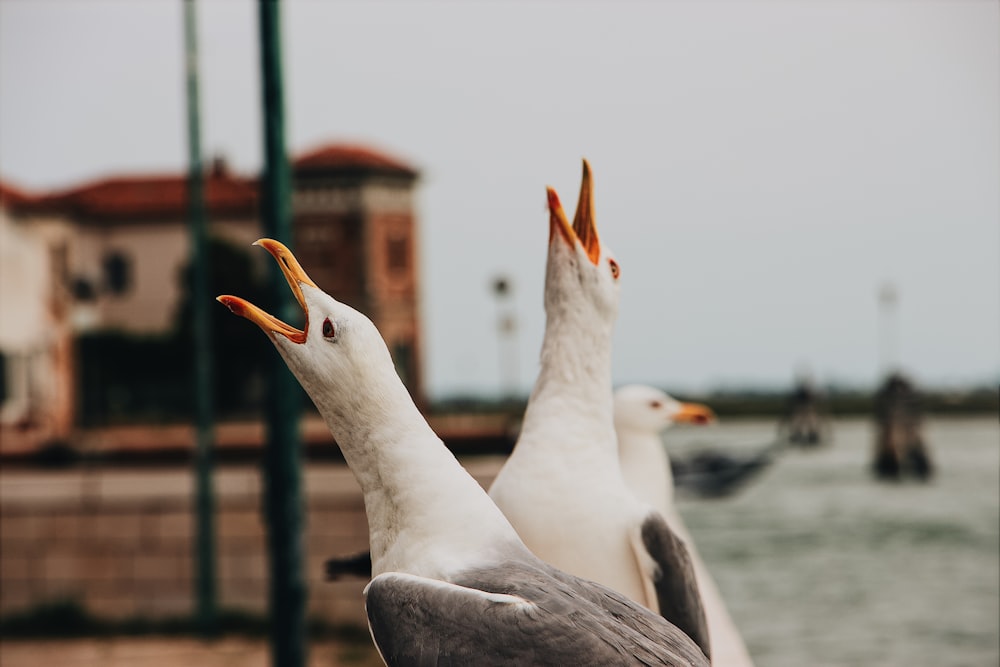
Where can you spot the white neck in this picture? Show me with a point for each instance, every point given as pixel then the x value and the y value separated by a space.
pixel 646 467
pixel 571 402
pixel 426 514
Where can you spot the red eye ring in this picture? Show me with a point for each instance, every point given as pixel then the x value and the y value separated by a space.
pixel 615 269
pixel 328 330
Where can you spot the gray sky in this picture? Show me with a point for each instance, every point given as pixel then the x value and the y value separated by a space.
pixel 761 168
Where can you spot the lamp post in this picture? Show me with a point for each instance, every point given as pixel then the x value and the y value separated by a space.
pixel 888 297
pixel 503 288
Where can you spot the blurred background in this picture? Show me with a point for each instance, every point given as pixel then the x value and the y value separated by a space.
pixel 804 199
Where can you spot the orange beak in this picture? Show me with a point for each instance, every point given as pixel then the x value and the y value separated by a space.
pixel 295 276
pixel 584 228
pixel 695 413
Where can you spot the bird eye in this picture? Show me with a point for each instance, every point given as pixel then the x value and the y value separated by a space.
pixel 328 330
pixel 615 270
pixel 656 405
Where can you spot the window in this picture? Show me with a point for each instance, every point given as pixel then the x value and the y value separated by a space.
pixel 117 273
pixel 398 254
pixel 83 289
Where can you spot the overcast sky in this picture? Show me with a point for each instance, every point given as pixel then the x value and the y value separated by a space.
pixel 761 168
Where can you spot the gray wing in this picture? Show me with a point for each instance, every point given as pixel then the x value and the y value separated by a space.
pixel 675 583
pixel 530 618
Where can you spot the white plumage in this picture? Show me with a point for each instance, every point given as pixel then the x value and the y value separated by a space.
pixel 562 487
pixel 642 413
pixel 452 582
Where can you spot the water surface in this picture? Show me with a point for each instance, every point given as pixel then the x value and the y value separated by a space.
pixel 822 565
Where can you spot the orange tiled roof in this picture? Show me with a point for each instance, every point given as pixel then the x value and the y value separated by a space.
pixel 144 197
pixel 11 196
pixel 350 156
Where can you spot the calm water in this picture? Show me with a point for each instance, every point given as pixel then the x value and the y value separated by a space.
pixel 821 565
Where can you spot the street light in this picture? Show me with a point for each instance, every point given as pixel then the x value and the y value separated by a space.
pixel 888 297
pixel 503 289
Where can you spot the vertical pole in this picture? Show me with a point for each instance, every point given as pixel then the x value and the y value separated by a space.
pixel 204 555
pixel 888 296
pixel 282 464
pixel 506 337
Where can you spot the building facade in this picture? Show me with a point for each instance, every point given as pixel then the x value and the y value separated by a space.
pixel 36 361
pixel 109 255
pixel 355 235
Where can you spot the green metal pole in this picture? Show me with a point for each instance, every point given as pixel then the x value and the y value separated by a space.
pixel 282 456
pixel 204 555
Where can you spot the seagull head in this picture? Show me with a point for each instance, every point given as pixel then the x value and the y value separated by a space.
pixel 643 408
pixel 581 274
pixel 338 347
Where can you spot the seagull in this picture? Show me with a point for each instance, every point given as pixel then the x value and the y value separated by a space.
pixel 452 581
pixel 641 414
pixel 562 487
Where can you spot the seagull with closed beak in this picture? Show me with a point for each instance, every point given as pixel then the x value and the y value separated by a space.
pixel 562 487
pixel 452 581
pixel 642 413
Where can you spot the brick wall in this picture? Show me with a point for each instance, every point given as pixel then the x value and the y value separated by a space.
pixel 120 542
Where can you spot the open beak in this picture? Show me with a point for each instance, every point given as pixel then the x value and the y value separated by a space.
pixel 584 228
pixel 694 413
pixel 295 276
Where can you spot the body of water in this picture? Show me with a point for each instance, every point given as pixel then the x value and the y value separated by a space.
pixel 823 565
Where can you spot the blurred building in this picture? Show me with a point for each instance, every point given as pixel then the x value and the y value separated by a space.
pixel 36 364
pixel 108 255
pixel 355 234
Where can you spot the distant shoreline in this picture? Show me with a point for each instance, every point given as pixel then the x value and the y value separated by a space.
pixel 981 401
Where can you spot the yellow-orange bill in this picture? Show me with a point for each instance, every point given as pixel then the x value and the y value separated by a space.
pixel 694 413
pixel 584 223
pixel 558 224
pixel 295 275
pixel 290 267
pixel 266 321
pixel 583 229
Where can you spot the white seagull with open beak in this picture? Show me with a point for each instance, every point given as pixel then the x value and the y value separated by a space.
pixel 562 487
pixel 452 582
